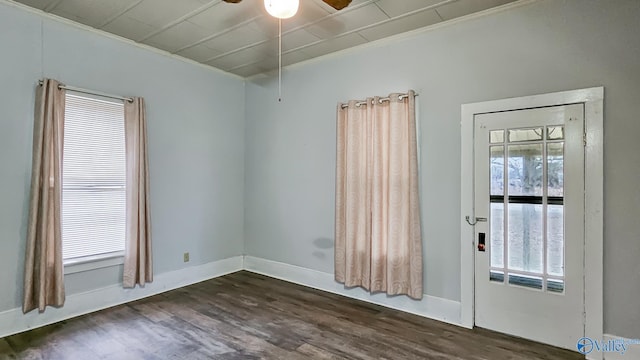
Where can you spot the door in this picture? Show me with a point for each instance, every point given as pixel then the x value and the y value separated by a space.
pixel 529 185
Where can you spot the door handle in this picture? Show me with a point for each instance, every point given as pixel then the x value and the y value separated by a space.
pixel 481 241
pixel 477 220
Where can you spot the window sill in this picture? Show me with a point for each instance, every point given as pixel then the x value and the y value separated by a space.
pixel 88 263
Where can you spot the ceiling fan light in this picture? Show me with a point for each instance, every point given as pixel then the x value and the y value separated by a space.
pixel 281 9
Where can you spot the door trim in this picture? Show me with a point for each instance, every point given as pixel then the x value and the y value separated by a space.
pixel 593 100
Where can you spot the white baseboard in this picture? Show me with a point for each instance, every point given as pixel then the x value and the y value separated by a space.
pixel 430 306
pixel 14 321
pixel 632 349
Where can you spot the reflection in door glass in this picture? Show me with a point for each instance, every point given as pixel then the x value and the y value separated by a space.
pixel 497 170
pixel 497 208
pixel 525 237
pixel 555 285
pixel 525 169
pixel 555 169
pixel 496 136
pixel 555 133
pixel 555 240
pixel 525 134
pixel 497 235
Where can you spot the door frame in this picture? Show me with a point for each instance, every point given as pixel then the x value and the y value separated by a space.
pixel 593 100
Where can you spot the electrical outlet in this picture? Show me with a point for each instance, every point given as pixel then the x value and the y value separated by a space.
pixel 186 257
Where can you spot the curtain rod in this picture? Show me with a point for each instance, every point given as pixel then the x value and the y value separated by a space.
pixel 360 103
pixel 91 92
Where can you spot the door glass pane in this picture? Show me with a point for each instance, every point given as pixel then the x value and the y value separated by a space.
pixel 525 170
pixel 555 240
pixel 555 132
pixel 555 285
pixel 495 275
pixel 525 237
pixel 497 170
pixel 497 235
pixel 525 134
pixel 555 212
pixel 496 136
pixel 524 280
pixel 555 166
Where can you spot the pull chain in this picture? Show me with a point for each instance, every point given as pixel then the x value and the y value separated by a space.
pixel 279 60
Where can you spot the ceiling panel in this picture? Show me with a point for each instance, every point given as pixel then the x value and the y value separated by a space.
pixel 465 7
pixel 347 20
pixel 241 58
pixel 236 38
pixel 267 48
pixel 38 4
pixel 336 44
pixel 248 70
pixel 248 55
pixel 199 53
pixel 395 8
pixel 159 13
pixel 129 28
pixel 91 12
pixel 297 38
pixel 228 62
pixel 268 63
pixel 223 15
pixel 178 36
pixel 243 39
pixel 295 57
pixel 407 23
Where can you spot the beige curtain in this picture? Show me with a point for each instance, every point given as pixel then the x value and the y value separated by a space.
pixel 138 264
pixel 378 242
pixel 44 271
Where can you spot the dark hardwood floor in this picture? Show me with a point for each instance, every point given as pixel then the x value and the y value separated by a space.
pixel 249 316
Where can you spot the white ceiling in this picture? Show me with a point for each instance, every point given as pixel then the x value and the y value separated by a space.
pixel 242 38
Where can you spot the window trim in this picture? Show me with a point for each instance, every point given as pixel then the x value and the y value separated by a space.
pixel 92 262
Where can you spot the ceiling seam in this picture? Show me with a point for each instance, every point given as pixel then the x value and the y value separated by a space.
pixel 117 15
pixel 180 19
pixel 52 6
pixel 381 9
pixel 220 33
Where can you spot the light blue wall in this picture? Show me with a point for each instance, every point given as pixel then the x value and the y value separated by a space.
pixel 200 151
pixel 196 142
pixel 542 47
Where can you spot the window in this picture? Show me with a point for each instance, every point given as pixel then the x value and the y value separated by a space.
pixel 527 226
pixel 94 179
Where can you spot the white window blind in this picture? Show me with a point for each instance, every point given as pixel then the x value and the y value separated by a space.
pixel 94 178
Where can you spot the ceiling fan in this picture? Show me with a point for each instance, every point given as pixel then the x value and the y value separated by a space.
pixel 284 9
pixel 287 8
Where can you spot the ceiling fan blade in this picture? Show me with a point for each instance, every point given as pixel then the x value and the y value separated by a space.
pixel 232 1
pixel 338 4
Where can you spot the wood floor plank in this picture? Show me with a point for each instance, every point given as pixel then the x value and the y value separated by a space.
pixel 249 316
